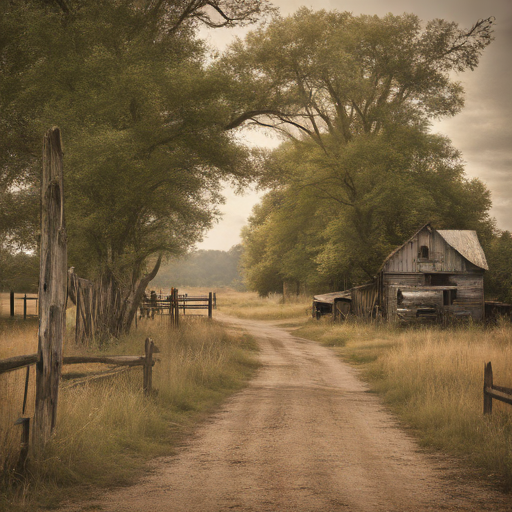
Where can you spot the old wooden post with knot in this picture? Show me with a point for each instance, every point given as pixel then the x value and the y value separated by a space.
pixel 52 288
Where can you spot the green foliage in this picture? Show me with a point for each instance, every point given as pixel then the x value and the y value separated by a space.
pixel 203 268
pixel 19 272
pixel 143 120
pixel 498 279
pixel 361 172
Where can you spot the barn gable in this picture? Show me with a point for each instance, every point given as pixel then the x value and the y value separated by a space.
pixel 429 250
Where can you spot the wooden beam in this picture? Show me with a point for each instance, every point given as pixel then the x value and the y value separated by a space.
pixel 487 385
pixel 14 363
pixel 498 395
pixel 115 360
pixel 52 288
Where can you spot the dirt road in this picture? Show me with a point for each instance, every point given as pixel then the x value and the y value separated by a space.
pixel 304 436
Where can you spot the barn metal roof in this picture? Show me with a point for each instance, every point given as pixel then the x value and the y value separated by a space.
pixel 466 243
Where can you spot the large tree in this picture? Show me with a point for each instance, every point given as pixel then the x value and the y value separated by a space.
pixel 356 96
pixel 143 121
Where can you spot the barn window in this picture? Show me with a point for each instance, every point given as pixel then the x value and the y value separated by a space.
pixel 423 252
pixel 449 296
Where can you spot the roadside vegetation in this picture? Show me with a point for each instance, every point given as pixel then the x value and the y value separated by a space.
pixel 107 430
pixel 432 378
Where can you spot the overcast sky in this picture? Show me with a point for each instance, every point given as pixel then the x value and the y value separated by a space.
pixel 482 131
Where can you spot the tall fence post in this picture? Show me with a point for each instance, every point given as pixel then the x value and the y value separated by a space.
pixel 52 288
pixel 11 302
pixel 25 307
pixel 488 382
pixel 147 384
pixel 176 308
pixel 210 305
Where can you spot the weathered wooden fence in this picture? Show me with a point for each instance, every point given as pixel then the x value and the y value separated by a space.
pixel 26 301
pixel 119 363
pixel 93 301
pixel 491 391
pixel 174 303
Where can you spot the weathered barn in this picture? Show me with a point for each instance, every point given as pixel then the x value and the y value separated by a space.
pixel 435 275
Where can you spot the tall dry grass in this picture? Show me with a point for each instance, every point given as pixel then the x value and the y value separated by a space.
pixel 107 430
pixel 433 379
pixel 249 305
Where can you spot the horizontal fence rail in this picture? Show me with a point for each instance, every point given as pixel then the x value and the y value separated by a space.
pixel 174 303
pixel 491 391
pixel 15 363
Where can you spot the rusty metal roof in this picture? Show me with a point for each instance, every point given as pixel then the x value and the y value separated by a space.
pixel 466 243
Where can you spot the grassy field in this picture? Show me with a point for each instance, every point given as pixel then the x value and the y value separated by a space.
pixel 107 430
pixel 250 305
pixel 431 377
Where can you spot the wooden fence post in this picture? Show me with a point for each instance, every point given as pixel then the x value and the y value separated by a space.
pixel 11 302
pixel 25 437
pixel 214 300
pixel 147 384
pixel 52 288
pixel 210 305
pixel 25 307
pixel 488 382
pixel 176 308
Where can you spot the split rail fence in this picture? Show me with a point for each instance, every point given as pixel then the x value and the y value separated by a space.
pixel 491 391
pixel 125 362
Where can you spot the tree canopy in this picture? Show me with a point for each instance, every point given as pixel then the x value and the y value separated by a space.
pixel 143 119
pixel 354 96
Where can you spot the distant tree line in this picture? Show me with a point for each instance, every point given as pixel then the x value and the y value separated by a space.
pixel 204 268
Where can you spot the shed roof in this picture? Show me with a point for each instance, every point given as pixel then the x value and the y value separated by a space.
pixel 466 243
pixel 329 298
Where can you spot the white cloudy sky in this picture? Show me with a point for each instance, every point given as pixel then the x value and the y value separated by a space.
pixel 482 131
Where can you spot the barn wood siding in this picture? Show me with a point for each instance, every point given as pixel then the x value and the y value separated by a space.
pixel 442 257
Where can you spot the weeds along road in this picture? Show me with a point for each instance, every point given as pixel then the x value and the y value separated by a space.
pixel 304 436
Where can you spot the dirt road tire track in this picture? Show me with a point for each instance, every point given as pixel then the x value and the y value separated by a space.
pixel 304 436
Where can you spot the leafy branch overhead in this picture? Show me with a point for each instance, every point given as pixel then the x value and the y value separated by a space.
pixel 322 72
pixel 354 98
pixel 142 117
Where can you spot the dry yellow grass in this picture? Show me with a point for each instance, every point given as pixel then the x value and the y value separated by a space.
pixel 107 429
pixel 433 379
pixel 249 305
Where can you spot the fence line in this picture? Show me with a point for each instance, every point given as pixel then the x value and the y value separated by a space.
pixel 174 303
pixel 129 362
pixel 491 391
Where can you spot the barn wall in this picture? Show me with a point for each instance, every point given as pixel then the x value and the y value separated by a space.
pixel 469 286
pixel 442 257
pixel 364 299
pixel 470 295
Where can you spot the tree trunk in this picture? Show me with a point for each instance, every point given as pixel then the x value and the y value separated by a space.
pixel 103 309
